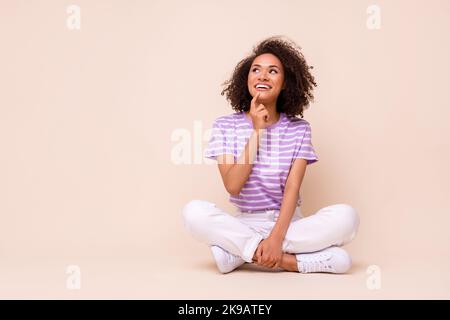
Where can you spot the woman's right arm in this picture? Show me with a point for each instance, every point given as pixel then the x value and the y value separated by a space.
pixel 235 175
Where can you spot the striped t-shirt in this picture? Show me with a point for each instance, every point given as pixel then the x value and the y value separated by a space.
pixel 280 144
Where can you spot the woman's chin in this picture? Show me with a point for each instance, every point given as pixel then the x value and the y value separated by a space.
pixel 263 94
pixel 265 97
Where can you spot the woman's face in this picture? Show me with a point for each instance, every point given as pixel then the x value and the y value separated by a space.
pixel 266 75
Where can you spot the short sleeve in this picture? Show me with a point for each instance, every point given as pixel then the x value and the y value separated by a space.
pixel 219 143
pixel 304 148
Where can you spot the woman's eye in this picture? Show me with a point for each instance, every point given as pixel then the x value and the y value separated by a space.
pixel 270 70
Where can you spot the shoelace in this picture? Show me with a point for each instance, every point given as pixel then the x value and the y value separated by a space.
pixel 318 262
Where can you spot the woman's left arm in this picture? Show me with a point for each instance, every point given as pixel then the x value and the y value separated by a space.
pixel 290 197
pixel 269 252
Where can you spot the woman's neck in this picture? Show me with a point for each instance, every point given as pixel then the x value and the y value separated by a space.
pixel 273 114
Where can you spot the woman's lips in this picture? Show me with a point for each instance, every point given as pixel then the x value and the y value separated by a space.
pixel 262 86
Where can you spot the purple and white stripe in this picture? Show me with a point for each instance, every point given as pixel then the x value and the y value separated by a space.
pixel 281 144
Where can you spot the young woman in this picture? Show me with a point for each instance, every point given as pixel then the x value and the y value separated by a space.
pixel 262 150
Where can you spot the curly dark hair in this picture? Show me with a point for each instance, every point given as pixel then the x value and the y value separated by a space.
pixel 296 95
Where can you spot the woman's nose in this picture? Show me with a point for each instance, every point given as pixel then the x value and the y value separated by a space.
pixel 262 75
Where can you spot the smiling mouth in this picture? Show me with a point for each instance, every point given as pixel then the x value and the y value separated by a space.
pixel 263 87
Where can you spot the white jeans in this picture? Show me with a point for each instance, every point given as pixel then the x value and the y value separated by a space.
pixel 334 225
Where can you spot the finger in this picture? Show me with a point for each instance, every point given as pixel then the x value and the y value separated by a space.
pixel 265 115
pixel 261 260
pixel 273 263
pixel 260 107
pixel 260 250
pixel 262 112
pixel 255 99
pixel 258 254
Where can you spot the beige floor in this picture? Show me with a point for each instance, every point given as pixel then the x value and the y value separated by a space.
pixel 183 276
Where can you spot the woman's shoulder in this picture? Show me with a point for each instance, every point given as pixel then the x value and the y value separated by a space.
pixel 297 123
pixel 229 119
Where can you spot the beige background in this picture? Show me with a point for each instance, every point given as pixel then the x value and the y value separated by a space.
pixel 86 118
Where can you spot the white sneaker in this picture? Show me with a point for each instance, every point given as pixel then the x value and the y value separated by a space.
pixel 226 262
pixel 332 259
